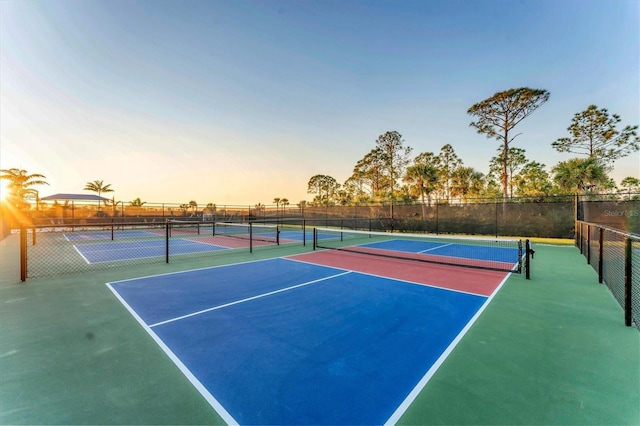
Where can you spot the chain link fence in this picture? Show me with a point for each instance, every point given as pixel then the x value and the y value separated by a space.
pixel 59 250
pixel 615 256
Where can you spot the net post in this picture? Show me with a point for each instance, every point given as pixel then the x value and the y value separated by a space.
pixel 166 233
pixel 277 235
pixel 304 232
pixel 250 237
pixel 214 229
pixel 111 229
pixel 628 252
pixel 23 252
pixel 315 238
pixel 601 257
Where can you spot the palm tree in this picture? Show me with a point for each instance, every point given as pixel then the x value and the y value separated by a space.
pixel 465 181
pixel 194 205
pixel 137 202
pixel 277 201
pixel 424 178
pixel 21 185
pixel 99 187
pixel 284 202
pixel 579 174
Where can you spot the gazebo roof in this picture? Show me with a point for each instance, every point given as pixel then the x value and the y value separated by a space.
pixel 84 197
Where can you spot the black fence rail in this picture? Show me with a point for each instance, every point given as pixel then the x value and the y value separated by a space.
pixel 615 256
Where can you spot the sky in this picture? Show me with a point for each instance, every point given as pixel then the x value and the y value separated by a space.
pixel 240 102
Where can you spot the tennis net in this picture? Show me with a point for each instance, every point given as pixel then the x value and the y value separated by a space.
pixel 250 231
pixel 183 228
pixel 482 253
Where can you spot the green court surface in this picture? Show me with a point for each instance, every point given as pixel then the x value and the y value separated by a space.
pixel 551 350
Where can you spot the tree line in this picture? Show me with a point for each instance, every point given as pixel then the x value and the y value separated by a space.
pixel 389 172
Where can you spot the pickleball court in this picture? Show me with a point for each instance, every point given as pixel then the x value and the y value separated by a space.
pixel 325 337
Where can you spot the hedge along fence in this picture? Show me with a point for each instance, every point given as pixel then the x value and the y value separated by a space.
pixel 546 219
pixel 552 218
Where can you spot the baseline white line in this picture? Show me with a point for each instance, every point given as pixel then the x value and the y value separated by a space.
pixel 247 299
pixel 217 406
pixel 436 365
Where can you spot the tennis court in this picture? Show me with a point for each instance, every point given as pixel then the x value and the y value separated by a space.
pixel 377 329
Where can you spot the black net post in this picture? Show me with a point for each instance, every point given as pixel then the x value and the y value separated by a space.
pixel 304 232
pixel 111 229
pixel 315 238
pixel 628 252
pixel 250 237
pixel 23 252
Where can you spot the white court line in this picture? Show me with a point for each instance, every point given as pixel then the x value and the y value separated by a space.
pixel 435 248
pixel 217 406
pixel 386 277
pixel 81 255
pixel 247 299
pixel 436 365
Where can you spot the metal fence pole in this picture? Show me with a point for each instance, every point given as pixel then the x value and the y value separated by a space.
pixel 23 252
pixel 167 230
pixel 628 271
pixel 527 259
pixel 601 257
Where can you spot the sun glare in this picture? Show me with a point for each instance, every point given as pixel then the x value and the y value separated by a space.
pixel 4 191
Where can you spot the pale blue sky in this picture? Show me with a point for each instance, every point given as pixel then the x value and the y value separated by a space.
pixel 239 102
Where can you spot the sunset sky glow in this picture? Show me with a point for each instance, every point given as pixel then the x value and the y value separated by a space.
pixel 239 102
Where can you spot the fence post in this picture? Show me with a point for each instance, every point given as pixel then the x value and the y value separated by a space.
pixel 589 244
pixel 23 252
pixel 627 282
pixel 496 216
pixel 527 259
pixel 601 257
pixel 167 230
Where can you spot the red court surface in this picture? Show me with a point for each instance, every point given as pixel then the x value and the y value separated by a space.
pixel 468 280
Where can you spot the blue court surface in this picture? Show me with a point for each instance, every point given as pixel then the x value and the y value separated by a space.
pixel 466 251
pixel 285 342
pixel 124 250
